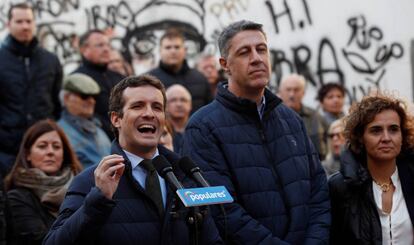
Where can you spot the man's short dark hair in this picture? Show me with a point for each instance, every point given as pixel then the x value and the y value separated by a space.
pixel 171 34
pixel 84 38
pixel 116 100
pixel 326 88
pixel 230 31
pixel 18 6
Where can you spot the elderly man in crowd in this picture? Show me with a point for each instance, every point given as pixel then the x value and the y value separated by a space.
pixel 291 91
pixel 207 64
pixel 178 112
pixel 83 129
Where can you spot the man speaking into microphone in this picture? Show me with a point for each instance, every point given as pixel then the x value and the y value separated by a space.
pixel 123 200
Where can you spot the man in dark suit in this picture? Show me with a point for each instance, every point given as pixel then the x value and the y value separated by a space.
pixel 114 203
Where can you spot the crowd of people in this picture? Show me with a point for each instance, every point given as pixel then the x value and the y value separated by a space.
pixel 79 152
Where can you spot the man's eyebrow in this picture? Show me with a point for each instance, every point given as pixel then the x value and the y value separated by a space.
pixel 242 47
pixel 248 46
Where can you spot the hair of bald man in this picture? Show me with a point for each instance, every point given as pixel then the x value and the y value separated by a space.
pixel 293 76
pixel 178 86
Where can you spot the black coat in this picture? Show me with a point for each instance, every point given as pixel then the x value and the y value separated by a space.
pixel 106 80
pixel 29 220
pixel 87 217
pixel 355 219
pixel 30 81
pixel 191 79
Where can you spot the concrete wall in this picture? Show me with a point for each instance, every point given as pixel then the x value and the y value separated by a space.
pixel 361 44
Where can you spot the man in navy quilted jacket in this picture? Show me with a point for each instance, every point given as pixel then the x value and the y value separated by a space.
pixel 30 81
pixel 248 141
pixel 122 200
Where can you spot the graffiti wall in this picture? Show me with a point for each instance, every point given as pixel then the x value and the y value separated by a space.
pixel 364 45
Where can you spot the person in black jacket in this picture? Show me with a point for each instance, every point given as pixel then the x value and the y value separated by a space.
pixel 36 186
pixel 373 194
pixel 30 81
pixel 111 203
pixel 173 69
pixel 95 49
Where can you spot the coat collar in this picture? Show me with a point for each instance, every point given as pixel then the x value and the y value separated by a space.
pixel 98 67
pixel 354 173
pixel 18 48
pixel 169 155
pixel 242 105
pixel 184 68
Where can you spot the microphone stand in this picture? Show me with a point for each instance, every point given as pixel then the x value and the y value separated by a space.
pixel 194 221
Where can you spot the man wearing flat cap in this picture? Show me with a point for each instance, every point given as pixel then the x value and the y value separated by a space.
pixel 83 129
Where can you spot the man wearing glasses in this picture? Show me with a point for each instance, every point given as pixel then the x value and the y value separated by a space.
pixel 82 128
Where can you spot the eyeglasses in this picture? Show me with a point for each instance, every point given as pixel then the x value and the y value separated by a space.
pixel 86 96
pixel 339 135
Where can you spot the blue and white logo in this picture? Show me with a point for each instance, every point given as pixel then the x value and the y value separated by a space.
pixel 204 196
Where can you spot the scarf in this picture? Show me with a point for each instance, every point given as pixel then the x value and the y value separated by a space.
pixel 50 190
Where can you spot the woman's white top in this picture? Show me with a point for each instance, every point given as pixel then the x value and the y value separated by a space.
pixel 396 226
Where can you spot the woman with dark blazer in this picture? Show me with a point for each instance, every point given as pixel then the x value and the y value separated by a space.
pixel 37 183
pixel 372 196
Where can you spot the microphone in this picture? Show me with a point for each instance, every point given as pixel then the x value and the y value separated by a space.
pixel 191 197
pixel 192 170
pixel 165 170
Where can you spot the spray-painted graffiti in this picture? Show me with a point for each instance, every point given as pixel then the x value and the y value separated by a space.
pixel 358 56
pixel 302 60
pixel 54 8
pixel 287 12
pixel 227 10
pixel 371 65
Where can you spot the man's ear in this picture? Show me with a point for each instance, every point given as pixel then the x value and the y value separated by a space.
pixel 82 49
pixel 115 119
pixel 223 64
pixel 65 97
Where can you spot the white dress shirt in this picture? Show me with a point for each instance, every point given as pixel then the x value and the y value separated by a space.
pixel 140 174
pixel 396 226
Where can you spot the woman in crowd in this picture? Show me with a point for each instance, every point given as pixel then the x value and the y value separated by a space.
pixel 336 141
pixel 331 97
pixel 167 136
pixel 37 183
pixel 372 196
